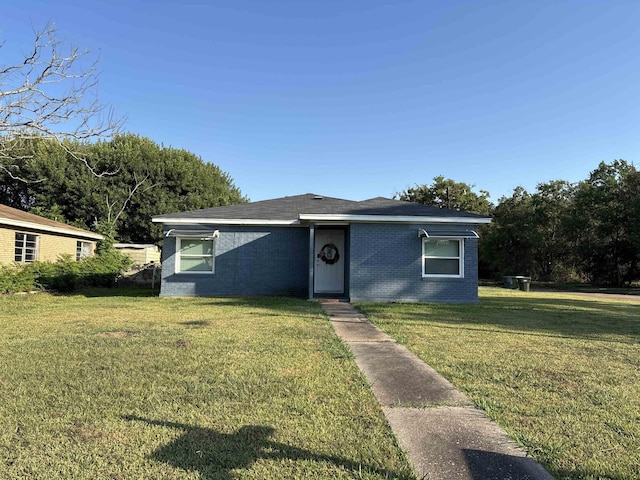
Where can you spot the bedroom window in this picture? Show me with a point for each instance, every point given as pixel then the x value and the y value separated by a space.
pixel 26 248
pixel 195 255
pixel 442 257
pixel 83 250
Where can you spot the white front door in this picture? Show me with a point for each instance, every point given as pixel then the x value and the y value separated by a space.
pixel 328 272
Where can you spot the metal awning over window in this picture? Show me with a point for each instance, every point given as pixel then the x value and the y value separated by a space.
pixel 199 234
pixel 424 233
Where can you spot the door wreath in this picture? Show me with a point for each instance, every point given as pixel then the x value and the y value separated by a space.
pixel 329 254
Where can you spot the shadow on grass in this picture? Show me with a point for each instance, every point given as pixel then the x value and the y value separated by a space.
pixel 215 455
pixel 278 304
pixel 117 292
pixel 575 318
pixel 266 306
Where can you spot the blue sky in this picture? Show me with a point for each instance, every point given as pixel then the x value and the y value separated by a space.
pixel 357 99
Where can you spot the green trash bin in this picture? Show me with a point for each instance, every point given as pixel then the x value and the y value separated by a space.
pixel 524 283
pixel 511 281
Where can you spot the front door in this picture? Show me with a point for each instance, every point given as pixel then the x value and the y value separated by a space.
pixel 328 273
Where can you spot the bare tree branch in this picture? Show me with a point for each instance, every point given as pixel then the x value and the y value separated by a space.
pixel 50 93
pixel 113 219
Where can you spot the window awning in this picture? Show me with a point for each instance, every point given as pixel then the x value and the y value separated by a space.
pixel 447 233
pixel 199 234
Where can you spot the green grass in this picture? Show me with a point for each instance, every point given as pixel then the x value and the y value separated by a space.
pixel 590 288
pixel 96 386
pixel 560 373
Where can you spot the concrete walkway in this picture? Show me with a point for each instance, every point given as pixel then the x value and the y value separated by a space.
pixel 444 435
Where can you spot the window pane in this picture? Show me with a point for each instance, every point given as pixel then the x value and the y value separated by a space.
pixel 438 266
pixel 196 264
pixel 442 248
pixel 83 250
pixel 196 247
pixel 26 247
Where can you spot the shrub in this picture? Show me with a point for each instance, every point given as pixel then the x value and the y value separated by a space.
pixel 62 276
pixel 103 269
pixel 15 279
pixel 66 274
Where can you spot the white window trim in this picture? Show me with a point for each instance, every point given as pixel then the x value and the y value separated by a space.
pixel 23 248
pixel 191 272
pixel 460 258
pixel 81 253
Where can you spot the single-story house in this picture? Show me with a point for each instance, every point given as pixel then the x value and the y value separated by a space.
pixel 140 253
pixel 313 246
pixel 25 238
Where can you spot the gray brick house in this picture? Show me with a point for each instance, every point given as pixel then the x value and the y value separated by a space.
pixel 312 246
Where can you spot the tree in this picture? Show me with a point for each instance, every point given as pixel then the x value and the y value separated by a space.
pixel 151 180
pixel 570 232
pixel 554 249
pixel 446 193
pixel 605 223
pixel 49 93
pixel 507 246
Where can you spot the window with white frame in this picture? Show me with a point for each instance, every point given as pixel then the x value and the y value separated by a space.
pixel 194 255
pixel 26 248
pixel 442 257
pixel 83 250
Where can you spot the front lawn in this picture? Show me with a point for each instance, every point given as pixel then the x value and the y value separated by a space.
pixel 560 373
pixel 133 387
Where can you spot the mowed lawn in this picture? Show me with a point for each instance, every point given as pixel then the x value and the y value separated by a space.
pixel 560 372
pixel 116 387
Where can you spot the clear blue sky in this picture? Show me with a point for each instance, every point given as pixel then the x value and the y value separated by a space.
pixel 365 98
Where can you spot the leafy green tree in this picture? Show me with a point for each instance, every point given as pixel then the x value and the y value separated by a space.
pixel 553 248
pixel 149 180
pixel 447 193
pixel 507 246
pixel 570 232
pixel 605 223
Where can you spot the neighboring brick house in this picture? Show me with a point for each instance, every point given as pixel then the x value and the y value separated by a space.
pixel 25 238
pixel 312 246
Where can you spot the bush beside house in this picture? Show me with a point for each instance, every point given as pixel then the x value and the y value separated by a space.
pixel 39 253
pixel 64 275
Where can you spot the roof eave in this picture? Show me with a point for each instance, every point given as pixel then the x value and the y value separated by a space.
pixel 318 217
pixel 51 229
pixel 394 219
pixel 222 221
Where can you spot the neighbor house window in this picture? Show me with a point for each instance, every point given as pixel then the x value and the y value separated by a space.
pixel 195 255
pixel 26 248
pixel 442 257
pixel 83 250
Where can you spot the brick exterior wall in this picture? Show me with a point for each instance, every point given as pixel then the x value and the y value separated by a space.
pixel 248 261
pixel 7 239
pixel 385 265
pixel 50 246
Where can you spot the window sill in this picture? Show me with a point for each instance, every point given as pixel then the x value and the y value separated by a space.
pixel 195 273
pixel 447 277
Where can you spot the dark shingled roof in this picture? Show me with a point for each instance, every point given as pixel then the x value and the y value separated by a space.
pixel 289 208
